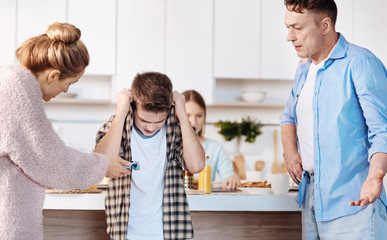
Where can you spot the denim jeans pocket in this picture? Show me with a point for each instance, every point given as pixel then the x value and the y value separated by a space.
pixel 382 210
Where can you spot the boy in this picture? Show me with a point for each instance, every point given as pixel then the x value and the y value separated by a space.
pixel 150 203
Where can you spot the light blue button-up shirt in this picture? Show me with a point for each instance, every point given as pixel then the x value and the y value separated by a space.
pixel 350 125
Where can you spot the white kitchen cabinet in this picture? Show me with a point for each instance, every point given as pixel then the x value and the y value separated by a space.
pixel 278 58
pixel 344 22
pixel 237 39
pixel 97 21
pixel 33 17
pixel 8 28
pixel 370 24
pixel 140 39
pixel 189 40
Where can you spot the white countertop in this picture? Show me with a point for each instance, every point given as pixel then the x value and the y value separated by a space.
pixel 207 202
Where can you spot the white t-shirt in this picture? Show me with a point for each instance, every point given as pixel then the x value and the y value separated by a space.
pixel 305 118
pixel 147 186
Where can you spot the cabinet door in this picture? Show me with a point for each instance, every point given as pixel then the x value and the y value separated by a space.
pixel 189 46
pixel 278 59
pixel 33 17
pixel 97 21
pixel 344 23
pixel 370 24
pixel 140 39
pixel 8 28
pixel 237 39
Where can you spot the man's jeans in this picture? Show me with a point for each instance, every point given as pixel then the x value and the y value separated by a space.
pixel 368 223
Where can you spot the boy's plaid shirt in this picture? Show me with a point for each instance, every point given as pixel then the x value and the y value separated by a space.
pixel 177 223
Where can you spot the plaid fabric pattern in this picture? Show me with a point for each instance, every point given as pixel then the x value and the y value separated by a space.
pixel 177 223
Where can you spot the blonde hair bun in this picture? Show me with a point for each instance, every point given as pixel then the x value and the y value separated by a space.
pixel 63 32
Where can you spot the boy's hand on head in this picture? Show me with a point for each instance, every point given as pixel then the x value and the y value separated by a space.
pixel 124 98
pixel 179 102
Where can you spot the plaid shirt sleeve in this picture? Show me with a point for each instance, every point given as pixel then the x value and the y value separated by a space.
pixel 117 196
pixel 102 132
pixel 177 221
pixel 179 146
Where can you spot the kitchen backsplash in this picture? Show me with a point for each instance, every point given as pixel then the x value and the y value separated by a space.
pixel 80 134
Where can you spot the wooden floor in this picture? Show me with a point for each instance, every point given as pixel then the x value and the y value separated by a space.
pixel 91 225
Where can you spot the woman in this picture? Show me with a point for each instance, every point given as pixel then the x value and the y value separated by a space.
pixel 32 156
pixel 219 160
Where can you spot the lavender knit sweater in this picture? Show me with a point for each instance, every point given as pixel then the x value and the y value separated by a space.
pixel 33 157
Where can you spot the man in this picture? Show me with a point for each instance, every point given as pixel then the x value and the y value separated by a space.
pixel 150 203
pixel 334 128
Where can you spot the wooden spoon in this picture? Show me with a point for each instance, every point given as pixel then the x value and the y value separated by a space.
pixel 275 168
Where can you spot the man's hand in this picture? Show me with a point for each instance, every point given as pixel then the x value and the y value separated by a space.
pixel 231 182
pixel 124 98
pixel 292 157
pixel 115 168
pixel 371 189
pixel 294 165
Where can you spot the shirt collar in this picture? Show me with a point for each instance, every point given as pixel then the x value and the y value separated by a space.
pixel 340 49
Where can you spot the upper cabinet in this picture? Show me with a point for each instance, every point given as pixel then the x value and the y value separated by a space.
pixel 97 21
pixel 33 17
pixel 237 29
pixel 250 40
pixel 140 39
pixel 344 22
pixel 95 18
pixel 278 57
pixel 195 42
pixel 8 28
pixel 188 55
pixel 370 24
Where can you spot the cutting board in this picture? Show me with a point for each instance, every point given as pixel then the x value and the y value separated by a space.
pixel 239 166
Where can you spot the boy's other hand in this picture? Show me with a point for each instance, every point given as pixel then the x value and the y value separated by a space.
pixel 124 98
pixel 179 102
pixel 115 168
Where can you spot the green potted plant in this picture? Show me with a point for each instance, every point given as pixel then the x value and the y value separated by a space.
pixel 249 127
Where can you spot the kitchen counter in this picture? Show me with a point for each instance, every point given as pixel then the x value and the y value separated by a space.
pixel 214 216
pixel 206 202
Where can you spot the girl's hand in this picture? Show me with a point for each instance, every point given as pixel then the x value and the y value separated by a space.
pixel 231 182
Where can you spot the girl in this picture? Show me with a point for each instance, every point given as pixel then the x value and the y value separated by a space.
pixel 219 160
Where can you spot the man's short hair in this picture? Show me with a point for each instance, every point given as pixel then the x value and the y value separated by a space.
pixel 327 7
pixel 152 91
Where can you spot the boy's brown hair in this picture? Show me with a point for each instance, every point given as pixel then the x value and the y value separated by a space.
pixel 152 91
